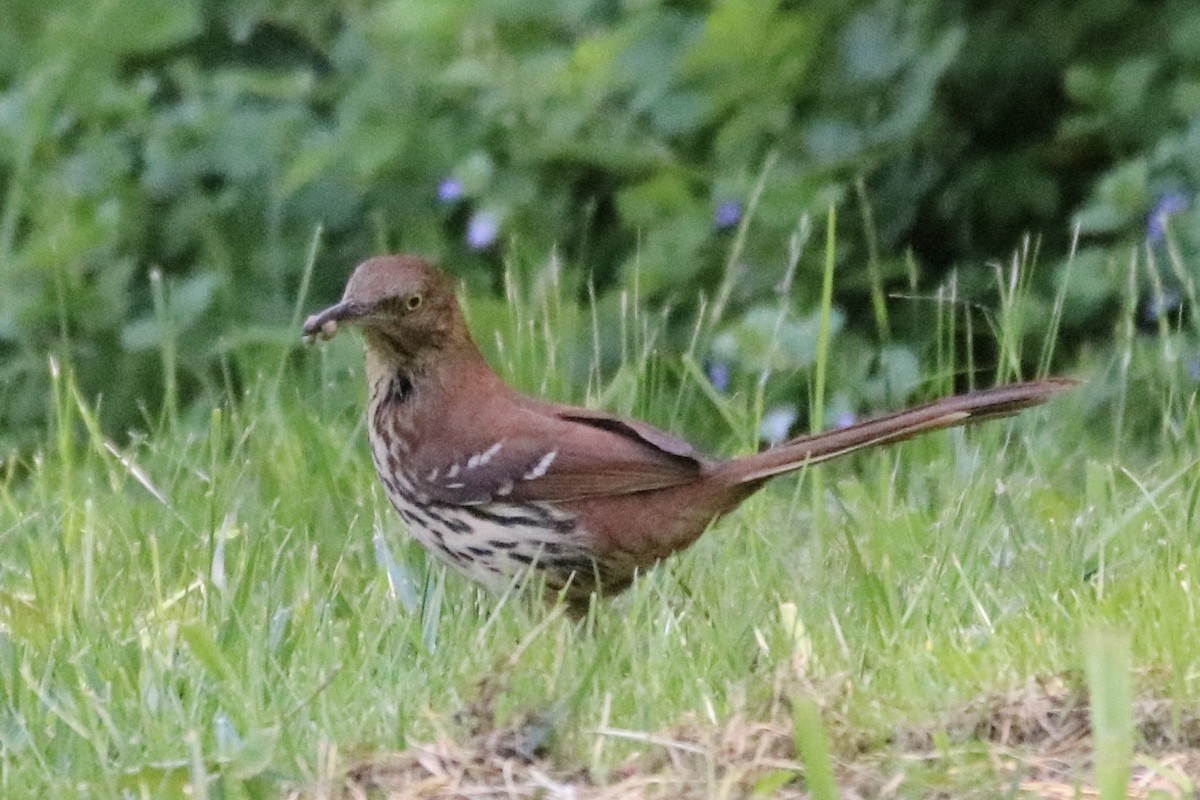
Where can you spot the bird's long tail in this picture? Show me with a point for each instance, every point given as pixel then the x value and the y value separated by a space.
pixel 948 412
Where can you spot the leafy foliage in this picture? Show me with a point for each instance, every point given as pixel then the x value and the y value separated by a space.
pixel 669 146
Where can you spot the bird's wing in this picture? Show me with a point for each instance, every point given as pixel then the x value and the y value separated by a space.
pixel 631 428
pixel 546 453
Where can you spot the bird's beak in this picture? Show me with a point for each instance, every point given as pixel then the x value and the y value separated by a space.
pixel 323 325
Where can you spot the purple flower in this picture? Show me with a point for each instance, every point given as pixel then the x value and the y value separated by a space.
pixel 482 230
pixel 450 190
pixel 844 420
pixel 1193 369
pixel 1167 205
pixel 718 375
pixel 727 215
pixel 1167 303
pixel 776 423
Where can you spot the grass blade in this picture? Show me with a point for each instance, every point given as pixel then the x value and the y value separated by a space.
pixel 1109 665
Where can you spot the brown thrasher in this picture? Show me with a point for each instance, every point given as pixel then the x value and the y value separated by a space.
pixel 496 483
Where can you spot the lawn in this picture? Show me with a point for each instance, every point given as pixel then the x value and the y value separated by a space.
pixel 226 607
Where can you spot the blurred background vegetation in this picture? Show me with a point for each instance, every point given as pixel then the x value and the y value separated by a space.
pixel 166 165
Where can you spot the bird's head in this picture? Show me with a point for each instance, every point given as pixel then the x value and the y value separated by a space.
pixel 404 306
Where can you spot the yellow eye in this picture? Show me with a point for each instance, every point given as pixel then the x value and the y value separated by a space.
pixel 412 302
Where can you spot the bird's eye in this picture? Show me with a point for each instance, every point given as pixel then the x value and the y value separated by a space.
pixel 412 302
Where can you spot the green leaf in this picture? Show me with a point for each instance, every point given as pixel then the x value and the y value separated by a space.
pixel 204 648
pixel 1122 197
pixel 773 781
pixel 255 754
pixel 162 779
pixel 652 200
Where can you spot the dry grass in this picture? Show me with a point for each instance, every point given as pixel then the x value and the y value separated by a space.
pixel 1034 741
pixel 1039 736
pixel 691 762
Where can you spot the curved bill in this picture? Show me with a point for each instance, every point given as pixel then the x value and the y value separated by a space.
pixel 323 325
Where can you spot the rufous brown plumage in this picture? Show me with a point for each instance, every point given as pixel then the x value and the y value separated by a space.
pixel 497 483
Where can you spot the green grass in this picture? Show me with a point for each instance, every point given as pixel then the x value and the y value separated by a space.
pixel 228 606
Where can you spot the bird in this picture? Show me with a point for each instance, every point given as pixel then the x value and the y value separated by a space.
pixel 503 486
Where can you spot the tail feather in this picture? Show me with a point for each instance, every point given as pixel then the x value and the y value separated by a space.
pixel 948 412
